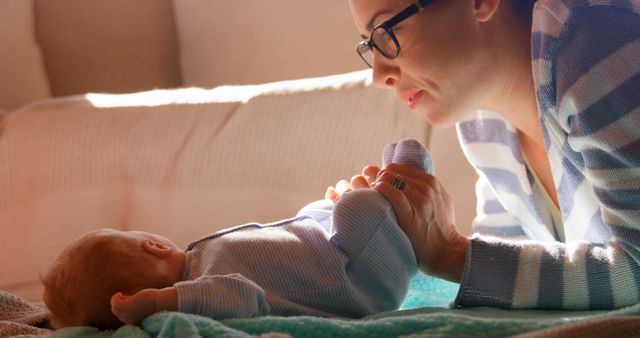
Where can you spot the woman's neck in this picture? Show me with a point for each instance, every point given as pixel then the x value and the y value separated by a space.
pixel 514 97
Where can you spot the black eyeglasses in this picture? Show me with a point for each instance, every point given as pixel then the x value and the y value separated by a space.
pixel 382 37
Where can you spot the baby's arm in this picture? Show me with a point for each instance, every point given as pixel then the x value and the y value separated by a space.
pixel 222 296
pixel 134 308
pixel 218 297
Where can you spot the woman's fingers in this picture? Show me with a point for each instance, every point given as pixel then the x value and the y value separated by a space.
pixel 408 171
pixel 331 194
pixel 370 173
pixel 359 182
pixel 399 202
pixel 408 182
pixel 343 186
pixel 425 213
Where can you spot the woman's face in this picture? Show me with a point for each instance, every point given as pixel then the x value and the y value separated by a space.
pixel 442 70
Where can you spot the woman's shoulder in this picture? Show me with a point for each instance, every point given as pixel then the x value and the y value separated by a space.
pixel 575 4
pixel 561 11
pixel 582 51
pixel 581 32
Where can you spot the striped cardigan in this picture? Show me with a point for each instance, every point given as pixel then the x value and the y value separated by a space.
pixel 586 65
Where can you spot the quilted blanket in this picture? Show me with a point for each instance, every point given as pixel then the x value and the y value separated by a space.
pixel 425 313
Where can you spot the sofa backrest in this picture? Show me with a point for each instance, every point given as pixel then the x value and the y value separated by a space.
pixel 256 41
pixel 108 45
pixel 67 47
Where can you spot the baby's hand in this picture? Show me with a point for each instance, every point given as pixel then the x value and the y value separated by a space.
pixel 364 180
pixel 135 308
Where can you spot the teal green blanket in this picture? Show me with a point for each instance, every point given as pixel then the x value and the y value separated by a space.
pixel 425 313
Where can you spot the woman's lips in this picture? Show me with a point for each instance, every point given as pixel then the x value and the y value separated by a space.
pixel 413 100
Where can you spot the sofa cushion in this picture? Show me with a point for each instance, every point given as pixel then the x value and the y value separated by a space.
pixel 23 76
pixel 262 41
pixel 108 45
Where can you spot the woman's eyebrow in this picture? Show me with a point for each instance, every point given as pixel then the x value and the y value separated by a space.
pixel 373 20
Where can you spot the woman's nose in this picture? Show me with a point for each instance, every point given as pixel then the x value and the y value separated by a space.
pixel 385 74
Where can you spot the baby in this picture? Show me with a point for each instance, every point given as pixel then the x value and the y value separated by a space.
pixel 345 259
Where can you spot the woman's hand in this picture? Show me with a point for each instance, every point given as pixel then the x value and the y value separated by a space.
pixel 425 213
pixel 135 308
pixel 364 180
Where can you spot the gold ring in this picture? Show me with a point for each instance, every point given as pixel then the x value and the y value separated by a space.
pixel 398 182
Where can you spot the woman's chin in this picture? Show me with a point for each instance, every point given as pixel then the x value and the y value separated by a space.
pixel 438 118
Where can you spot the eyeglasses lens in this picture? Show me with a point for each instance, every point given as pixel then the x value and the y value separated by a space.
pixel 365 52
pixel 385 43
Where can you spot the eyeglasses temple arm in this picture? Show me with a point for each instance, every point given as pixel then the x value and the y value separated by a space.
pixel 407 12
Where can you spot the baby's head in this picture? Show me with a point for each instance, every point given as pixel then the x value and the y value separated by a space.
pixel 79 286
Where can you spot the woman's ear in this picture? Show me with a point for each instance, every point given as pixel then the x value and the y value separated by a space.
pixel 156 248
pixel 485 9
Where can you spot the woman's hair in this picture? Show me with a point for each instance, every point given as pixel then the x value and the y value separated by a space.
pixel 79 286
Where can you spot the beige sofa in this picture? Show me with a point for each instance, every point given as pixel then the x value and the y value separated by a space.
pixel 180 160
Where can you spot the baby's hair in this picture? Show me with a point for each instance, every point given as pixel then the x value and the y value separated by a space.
pixel 79 286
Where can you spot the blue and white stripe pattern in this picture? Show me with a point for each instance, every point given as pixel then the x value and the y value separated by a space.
pixel 586 65
pixel 347 260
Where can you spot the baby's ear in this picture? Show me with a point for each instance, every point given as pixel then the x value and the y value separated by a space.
pixel 156 248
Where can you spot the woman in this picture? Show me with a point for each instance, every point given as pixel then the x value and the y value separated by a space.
pixel 546 100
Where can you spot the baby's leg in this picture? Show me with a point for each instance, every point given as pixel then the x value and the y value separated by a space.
pixel 321 211
pixel 381 259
